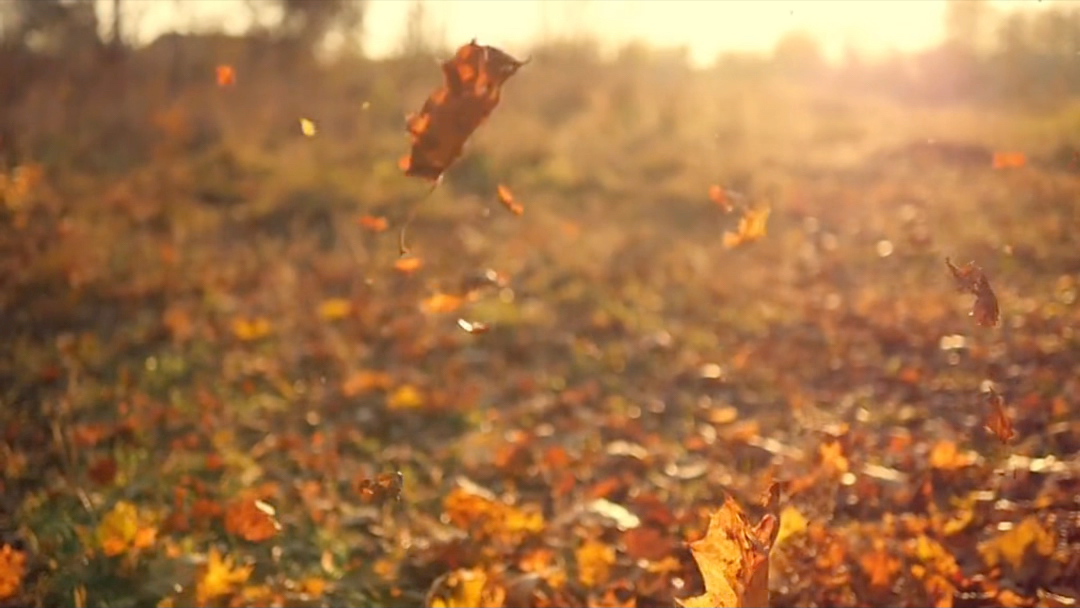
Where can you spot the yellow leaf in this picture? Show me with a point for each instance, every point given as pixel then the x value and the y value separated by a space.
pixel 751 228
pixel 465 588
pixel 121 530
pixel 791 522
pixel 251 329
pixel 733 558
pixel 405 397
pixel 594 561
pixel 221 577
pixel 307 127
pixel 334 309
pixel 1013 545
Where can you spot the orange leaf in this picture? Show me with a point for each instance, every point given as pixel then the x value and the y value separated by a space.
pixel 441 303
pixel 997 421
pixel 472 88
pixel 1009 160
pixel 226 75
pixel 734 559
pixel 12 570
pixel 408 265
pixel 507 199
pixel 880 566
pixel 381 488
pixel 372 223
pixel 718 196
pixel 251 520
pixel 365 381
pixel 751 228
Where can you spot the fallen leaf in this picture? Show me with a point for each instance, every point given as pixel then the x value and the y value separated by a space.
pixel 383 487
pixel 122 529
pixel 466 588
pixel 12 571
pixel 1009 160
pixel 880 566
pixel 219 578
pixel 751 228
pixel 472 88
pixel 441 303
pixel 252 520
pixel 248 330
pixel 365 381
pixel 333 309
pixel 594 561
pixel 946 456
pixel 1012 546
pixel 733 558
pixel 507 199
pixel 405 397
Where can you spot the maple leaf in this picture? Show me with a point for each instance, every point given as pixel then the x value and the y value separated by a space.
pixel 733 558
pixel 751 228
pixel 970 278
pixel 472 88
pixel 12 570
pixel 221 577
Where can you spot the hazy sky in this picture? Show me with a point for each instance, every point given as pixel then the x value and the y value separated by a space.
pixel 706 27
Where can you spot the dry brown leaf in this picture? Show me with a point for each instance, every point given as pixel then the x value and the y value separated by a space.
pixel 734 558
pixel 970 278
pixel 473 85
pixel 998 421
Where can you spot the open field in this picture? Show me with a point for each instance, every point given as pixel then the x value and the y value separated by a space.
pixel 195 316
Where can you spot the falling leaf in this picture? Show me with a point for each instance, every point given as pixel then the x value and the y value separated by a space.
pixel 408 265
pixel 334 309
pixel 226 75
pixel 122 529
pixel 1013 545
pixel 405 397
pixel 374 224
pixel 252 520
pixel 220 578
pixel 720 198
pixel 751 228
pixel 472 327
pixel 733 558
pixel 1009 160
pixel 507 199
pixel 248 330
pixel 970 278
pixel 12 570
pixel 307 127
pixel 594 561
pixel 441 303
pixel 998 421
pixel 381 488
pixel 472 88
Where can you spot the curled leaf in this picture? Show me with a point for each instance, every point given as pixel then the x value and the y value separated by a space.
pixel 971 279
pixel 472 88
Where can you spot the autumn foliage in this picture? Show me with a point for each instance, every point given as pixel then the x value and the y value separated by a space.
pixel 222 384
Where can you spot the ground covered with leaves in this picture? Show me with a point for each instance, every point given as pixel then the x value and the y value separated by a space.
pixel 222 384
